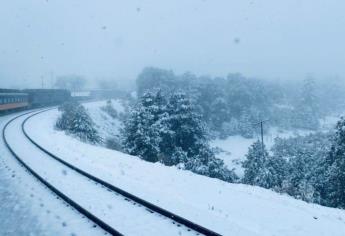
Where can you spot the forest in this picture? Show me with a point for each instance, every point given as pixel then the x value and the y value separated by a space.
pixel 173 118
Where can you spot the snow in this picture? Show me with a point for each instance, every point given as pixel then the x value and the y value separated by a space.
pixel 28 207
pixel 112 208
pixel 106 126
pixel 234 148
pixel 229 209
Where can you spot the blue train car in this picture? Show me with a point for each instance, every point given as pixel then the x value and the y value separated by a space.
pixel 47 97
pixel 13 101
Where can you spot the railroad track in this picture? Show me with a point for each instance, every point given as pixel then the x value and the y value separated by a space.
pixel 152 209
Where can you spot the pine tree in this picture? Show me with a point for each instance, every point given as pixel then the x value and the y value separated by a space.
pixel 185 122
pixel 336 171
pixel 306 166
pixel 75 120
pixel 254 163
pixel 263 170
pixel 272 174
pixel 172 132
pixel 141 133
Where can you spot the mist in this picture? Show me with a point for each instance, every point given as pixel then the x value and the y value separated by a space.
pixel 43 39
pixel 140 117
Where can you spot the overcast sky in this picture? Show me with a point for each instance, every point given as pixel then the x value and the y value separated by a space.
pixel 116 39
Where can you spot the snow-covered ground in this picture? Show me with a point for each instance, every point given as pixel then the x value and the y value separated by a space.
pixel 230 209
pixel 113 209
pixel 28 208
pixel 234 148
pixel 106 125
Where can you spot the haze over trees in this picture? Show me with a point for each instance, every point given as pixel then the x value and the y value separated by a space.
pixel 70 82
pixel 176 115
pixel 107 84
pixel 231 105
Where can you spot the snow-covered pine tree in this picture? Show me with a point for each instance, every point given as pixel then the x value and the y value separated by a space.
pixel 188 136
pixel 336 170
pixel 75 120
pixel 185 122
pixel 254 163
pixel 171 131
pixel 273 173
pixel 263 170
pixel 141 133
pixel 180 129
pixel 306 166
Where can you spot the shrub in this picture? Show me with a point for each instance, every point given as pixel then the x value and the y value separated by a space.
pixel 75 120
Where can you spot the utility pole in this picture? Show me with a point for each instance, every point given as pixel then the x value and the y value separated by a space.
pixel 262 134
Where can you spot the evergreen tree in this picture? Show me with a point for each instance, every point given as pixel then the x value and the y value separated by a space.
pixel 254 163
pixel 141 133
pixel 336 171
pixel 172 132
pixel 185 122
pixel 306 166
pixel 75 120
pixel 273 173
pixel 263 170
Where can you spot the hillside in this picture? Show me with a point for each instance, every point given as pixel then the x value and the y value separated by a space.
pixel 235 209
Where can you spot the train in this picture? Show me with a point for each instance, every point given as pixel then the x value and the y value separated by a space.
pixel 15 100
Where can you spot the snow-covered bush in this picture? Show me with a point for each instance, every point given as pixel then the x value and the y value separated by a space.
pixel 75 120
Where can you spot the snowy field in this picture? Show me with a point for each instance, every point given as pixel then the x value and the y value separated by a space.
pixel 229 209
pixel 234 148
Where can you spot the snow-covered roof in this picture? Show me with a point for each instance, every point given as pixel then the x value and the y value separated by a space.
pixel 13 94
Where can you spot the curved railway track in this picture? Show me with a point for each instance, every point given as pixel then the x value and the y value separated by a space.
pixel 175 219
pixel 68 200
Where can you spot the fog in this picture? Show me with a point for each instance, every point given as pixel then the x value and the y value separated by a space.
pixel 43 39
